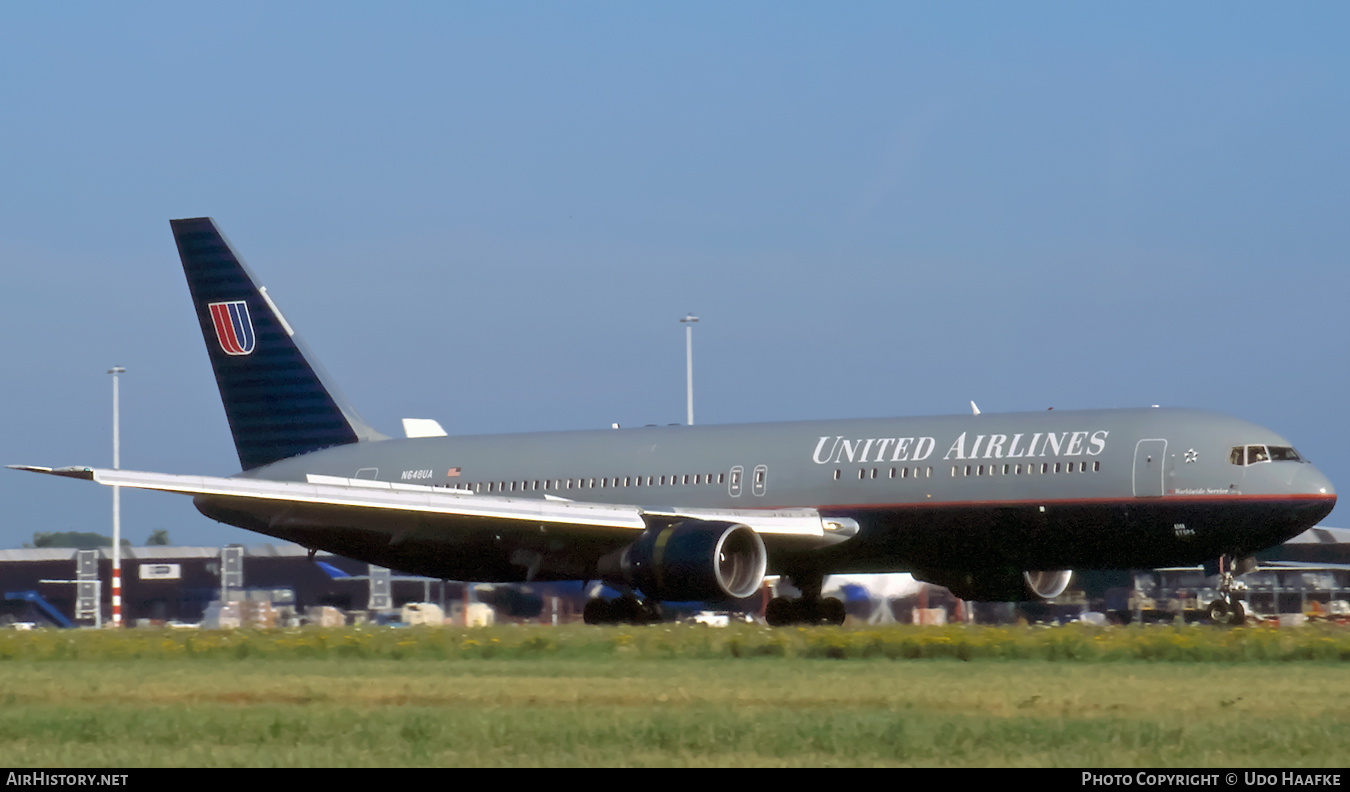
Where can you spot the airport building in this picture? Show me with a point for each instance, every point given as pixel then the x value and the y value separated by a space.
pixel 163 585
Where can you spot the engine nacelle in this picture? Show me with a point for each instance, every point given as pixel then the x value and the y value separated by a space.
pixel 692 560
pixel 1048 585
pixel 999 585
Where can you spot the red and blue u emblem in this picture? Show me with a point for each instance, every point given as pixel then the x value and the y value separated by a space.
pixel 234 329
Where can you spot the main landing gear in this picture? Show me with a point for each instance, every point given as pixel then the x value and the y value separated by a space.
pixel 1227 610
pixel 810 608
pixel 627 609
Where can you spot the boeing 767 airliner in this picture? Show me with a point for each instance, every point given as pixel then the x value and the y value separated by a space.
pixel 994 507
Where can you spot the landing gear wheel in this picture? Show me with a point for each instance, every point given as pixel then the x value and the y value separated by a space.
pixel 809 608
pixel 627 610
pixel 1220 613
pixel 780 612
pixel 787 611
pixel 624 610
pixel 597 611
pixel 1227 614
pixel 831 612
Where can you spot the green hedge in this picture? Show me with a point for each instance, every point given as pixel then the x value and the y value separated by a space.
pixel 1075 643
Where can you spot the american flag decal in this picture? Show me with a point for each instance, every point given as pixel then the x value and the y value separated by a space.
pixel 234 329
pixel 454 472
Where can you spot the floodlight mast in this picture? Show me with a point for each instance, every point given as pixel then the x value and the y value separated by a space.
pixel 688 321
pixel 117 508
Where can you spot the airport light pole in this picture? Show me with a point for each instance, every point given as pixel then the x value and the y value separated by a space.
pixel 688 321
pixel 117 508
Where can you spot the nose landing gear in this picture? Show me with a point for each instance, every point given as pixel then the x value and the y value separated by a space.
pixel 1227 610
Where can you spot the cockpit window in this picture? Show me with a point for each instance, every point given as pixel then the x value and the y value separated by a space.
pixel 1252 454
pixel 1284 454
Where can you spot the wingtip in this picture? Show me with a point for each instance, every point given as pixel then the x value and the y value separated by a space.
pixel 74 471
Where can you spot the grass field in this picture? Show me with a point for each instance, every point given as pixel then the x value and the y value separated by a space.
pixel 651 696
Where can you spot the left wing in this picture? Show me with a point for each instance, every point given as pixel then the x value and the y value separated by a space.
pixel 386 505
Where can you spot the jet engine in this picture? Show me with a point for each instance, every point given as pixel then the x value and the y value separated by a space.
pixel 999 585
pixel 1048 585
pixel 691 560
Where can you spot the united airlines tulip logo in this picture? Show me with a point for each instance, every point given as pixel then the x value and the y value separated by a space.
pixel 234 329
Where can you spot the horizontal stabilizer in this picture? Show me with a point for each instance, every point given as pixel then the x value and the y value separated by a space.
pixel 422 427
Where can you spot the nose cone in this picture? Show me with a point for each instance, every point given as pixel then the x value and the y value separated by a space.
pixel 1310 481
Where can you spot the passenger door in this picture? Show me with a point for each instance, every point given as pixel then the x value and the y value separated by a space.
pixel 1150 460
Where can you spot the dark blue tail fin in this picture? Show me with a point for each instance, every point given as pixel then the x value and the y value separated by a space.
pixel 277 398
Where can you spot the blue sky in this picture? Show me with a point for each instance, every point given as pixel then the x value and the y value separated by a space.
pixel 495 214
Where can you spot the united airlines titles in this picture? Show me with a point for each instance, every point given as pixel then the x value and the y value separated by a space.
pixel 834 450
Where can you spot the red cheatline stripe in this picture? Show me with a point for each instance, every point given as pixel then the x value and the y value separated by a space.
pixel 1169 500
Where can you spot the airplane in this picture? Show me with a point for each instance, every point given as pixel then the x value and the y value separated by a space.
pixel 992 506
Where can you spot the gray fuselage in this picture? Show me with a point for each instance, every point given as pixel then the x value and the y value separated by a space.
pixel 1125 488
